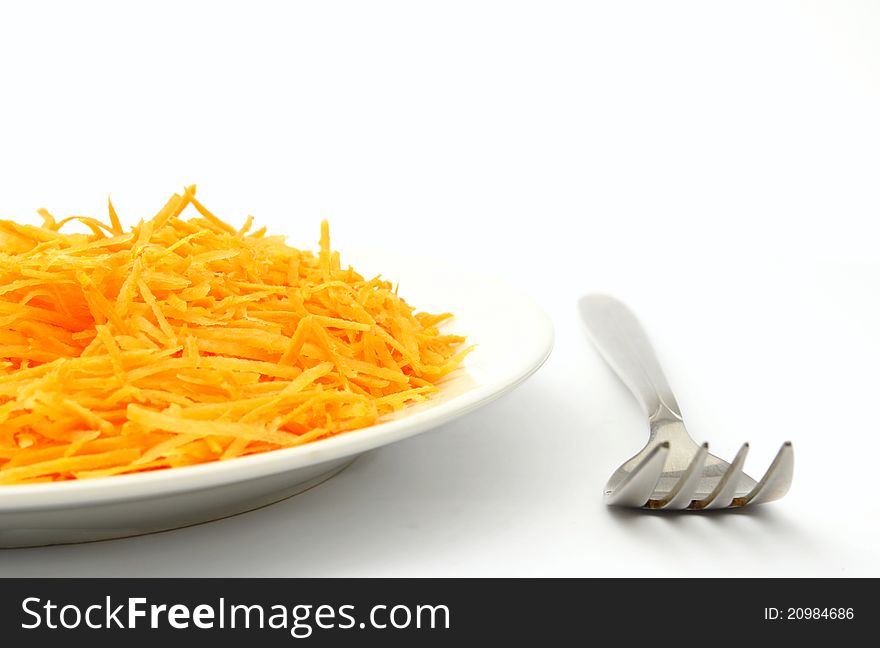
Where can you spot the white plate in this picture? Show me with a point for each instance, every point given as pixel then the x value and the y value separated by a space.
pixel 513 339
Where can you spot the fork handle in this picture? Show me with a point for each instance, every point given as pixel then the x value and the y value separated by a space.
pixel 623 344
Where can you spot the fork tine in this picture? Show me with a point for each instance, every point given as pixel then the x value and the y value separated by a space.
pixel 725 491
pixel 637 487
pixel 775 482
pixel 686 487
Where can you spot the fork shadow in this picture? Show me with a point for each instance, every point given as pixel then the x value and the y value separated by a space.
pixel 771 536
pixel 768 519
pixel 625 515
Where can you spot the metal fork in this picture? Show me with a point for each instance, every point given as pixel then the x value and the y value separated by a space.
pixel 672 472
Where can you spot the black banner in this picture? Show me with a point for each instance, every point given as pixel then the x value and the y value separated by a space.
pixel 431 612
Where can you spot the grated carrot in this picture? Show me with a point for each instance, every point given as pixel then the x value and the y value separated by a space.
pixel 187 341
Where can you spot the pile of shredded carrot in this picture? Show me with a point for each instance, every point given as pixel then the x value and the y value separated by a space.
pixel 184 341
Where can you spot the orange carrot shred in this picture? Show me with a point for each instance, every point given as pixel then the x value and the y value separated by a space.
pixel 189 340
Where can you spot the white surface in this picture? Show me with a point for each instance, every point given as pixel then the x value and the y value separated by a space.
pixel 713 164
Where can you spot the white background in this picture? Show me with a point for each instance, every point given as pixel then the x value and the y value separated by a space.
pixel 714 164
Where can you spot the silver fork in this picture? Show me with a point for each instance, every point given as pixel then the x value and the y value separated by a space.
pixel 672 472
